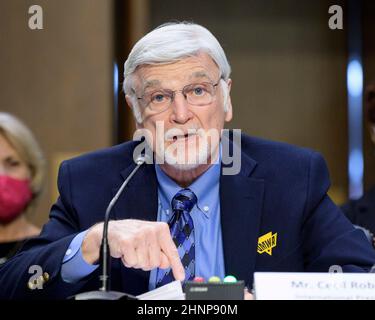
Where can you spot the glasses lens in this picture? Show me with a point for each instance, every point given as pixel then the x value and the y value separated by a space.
pixel 159 100
pixel 199 94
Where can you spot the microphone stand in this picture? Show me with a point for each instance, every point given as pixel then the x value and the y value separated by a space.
pixel 104 292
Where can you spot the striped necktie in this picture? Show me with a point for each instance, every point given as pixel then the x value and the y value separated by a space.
pixel 182 231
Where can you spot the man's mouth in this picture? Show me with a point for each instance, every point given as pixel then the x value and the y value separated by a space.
pixel 183 136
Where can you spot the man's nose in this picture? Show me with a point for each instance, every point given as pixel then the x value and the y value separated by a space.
pixel 181 111
pixel 2 170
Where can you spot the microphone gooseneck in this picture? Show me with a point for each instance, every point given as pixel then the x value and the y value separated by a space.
pixel 104 248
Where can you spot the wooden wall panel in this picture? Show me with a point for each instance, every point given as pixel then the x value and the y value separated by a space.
pixel 59 79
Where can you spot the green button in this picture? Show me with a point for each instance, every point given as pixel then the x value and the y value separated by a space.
pixel 214 279
pixel 230 279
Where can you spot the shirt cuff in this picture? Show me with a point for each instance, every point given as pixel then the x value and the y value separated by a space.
pixel 74 267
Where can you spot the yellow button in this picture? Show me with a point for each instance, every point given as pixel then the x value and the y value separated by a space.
pixel 46 276
pixel 31 285
pixel 41 279
pixel 214 279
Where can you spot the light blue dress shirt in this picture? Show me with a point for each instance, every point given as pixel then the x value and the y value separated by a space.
pixel 209 258
pixel 209 255
pixel 74 267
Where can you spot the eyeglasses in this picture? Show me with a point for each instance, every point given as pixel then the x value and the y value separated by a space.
pixel 197 94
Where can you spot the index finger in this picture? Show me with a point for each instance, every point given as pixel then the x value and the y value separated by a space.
pixel 169 248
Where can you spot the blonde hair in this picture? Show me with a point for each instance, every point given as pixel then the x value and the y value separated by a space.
pixel 25 144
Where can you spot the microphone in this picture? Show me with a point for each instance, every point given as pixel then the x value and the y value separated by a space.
pixel 105 254
pixel 104 292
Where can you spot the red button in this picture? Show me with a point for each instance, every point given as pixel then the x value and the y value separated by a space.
pixel 198 279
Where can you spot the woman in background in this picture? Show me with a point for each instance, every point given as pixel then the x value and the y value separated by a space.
pixel 21 174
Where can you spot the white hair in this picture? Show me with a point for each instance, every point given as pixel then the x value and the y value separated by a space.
pixel 172 42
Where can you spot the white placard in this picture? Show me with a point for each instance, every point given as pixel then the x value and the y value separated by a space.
pixel 170 291
pixel 314 286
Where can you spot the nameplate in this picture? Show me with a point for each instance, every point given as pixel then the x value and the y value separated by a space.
pixel 314 286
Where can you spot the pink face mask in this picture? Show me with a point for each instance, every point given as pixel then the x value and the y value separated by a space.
pixel 15 194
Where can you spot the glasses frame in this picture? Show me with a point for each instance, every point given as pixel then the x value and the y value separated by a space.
pixel 172 94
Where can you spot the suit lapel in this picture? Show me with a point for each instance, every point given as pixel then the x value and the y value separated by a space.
pixel 241 200
pixel 139 200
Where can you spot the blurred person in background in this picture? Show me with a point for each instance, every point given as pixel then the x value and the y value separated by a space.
pixel 21 175
pixel 361 212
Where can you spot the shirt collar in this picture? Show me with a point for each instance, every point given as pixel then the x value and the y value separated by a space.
pixel 205 187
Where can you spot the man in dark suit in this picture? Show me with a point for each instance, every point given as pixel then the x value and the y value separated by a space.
pixel 186 215
pixel 361 212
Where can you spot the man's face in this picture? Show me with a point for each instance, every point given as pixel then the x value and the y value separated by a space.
pixel 185 144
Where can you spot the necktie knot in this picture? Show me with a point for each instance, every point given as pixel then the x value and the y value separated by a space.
pixel 184 200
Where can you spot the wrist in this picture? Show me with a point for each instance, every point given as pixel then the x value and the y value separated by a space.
pixel 90 247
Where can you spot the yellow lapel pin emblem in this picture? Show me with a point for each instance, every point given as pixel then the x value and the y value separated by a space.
pixel 267 242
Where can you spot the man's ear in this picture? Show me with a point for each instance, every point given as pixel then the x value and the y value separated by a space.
pixel 229 113
pixel 135 111
pixel 129 101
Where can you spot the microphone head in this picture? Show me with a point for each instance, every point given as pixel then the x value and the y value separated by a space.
pixel 141 159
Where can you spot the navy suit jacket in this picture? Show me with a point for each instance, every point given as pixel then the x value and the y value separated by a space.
pixel 280 189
